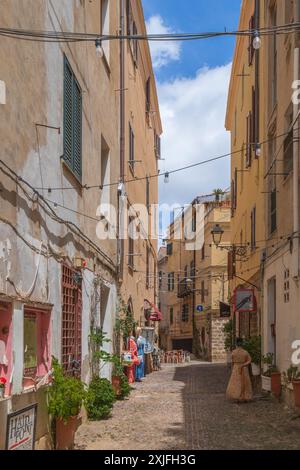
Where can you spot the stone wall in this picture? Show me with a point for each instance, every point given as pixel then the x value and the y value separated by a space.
pixel 217 349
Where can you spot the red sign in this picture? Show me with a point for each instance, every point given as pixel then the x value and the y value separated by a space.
pixel 244 300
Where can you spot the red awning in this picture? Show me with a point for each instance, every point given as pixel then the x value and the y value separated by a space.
pixel 155 315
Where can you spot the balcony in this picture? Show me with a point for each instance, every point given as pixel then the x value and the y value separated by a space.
pixel 185 288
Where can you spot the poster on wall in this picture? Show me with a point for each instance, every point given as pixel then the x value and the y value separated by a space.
pixel 148 334
pixel 21 427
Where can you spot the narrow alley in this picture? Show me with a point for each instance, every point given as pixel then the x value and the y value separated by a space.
pixel 184 407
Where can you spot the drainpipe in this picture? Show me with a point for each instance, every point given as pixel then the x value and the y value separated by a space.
pixel 122 139
pixel 295 262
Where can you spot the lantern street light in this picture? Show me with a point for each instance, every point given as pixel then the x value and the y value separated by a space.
pixel 217 234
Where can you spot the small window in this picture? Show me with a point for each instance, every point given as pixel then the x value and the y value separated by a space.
pixel 160 279
pixel 132 31
pixel 273 211
pixel 171 282
pixel 171 316
pixel 169 249
pixel 37 353
pixel 185 313
pixel 72 121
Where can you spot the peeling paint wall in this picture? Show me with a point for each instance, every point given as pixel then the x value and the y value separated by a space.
pixel 33 243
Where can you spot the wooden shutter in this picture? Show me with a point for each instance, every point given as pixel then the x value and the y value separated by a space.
pixel 68 100
pixel 147 193
pixel 157 146
pixel 131 147
pixel 77 129
pixel 250 47
pixel 248 139
pixel 148 98
pixel 72 121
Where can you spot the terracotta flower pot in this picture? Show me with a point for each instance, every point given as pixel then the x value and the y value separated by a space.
pixel 116 384
pixel 276 384
pixel 296 388
pixel 65 432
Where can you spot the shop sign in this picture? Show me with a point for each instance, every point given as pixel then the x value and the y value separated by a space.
pixel 244 300
pixel 148 334
pixel 21 427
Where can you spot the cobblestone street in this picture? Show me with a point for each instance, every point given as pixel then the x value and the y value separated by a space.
pixel 184 407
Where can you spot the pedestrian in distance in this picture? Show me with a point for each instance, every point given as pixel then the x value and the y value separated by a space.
pixel 239 387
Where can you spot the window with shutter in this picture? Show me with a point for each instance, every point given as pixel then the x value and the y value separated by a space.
pixel 148 97
pixel 248 140
pixel 72 121
pixel 131 148
pixel 250 47
pixel 169 249
pixel 148 193
pixel 157 146
pixel 253 228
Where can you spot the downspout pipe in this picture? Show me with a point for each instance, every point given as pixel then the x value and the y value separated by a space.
pixel 295 262
pixel 122 140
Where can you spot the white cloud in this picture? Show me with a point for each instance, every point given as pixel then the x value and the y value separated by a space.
pixel 193 116
pixel 162 52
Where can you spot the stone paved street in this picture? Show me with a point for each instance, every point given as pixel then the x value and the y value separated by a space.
pixel 184 407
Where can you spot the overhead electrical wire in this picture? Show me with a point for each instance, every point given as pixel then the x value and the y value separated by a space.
pixel 159 174
pixel 67 36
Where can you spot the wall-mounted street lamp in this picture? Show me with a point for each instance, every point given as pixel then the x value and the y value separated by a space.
pixel 217 235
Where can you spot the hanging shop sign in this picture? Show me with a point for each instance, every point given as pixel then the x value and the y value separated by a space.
pixel 148 333
pixel 21 427
pixel 200 308
pixel 224 310
pixel 244 300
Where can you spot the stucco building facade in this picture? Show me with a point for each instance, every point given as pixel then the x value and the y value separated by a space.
pixel 61 259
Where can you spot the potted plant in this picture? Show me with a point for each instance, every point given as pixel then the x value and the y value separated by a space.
pixel 65 397
pixel 292 376
pixel 2 386
pixel 253 347
pixel 99 399
pixel 271 378
pixel 119 379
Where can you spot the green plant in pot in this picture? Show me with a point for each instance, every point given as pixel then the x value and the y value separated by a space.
pixel 100 398
pixel 292 376
pixel 253 346
pixel 271 377
pixel 65 398
pixel 120 380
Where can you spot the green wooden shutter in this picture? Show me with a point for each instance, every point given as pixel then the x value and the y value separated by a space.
pixel 68 113
pixel 72 121
pixel 77 129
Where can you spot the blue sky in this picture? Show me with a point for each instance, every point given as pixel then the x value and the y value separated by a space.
pixel 201 15
pixel 192 83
